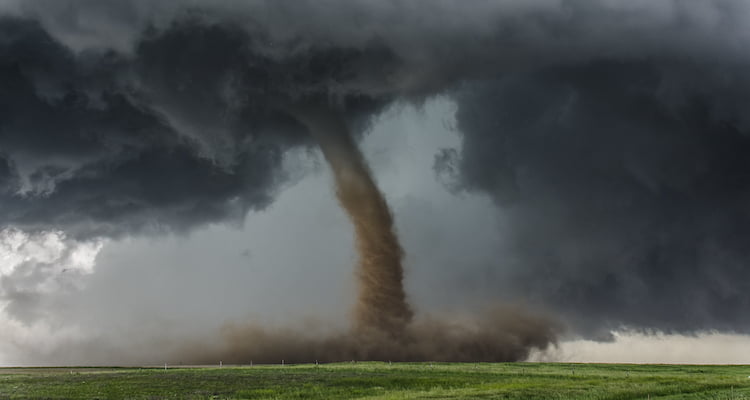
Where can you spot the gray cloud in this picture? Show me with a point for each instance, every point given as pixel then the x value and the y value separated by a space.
pixel 627 204
pixel 188 130
pixel 612 136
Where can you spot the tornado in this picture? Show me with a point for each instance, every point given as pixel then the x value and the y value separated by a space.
pixel 381 304
pixel 384 326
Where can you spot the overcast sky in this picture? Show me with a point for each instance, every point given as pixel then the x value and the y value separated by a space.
pixel 586 159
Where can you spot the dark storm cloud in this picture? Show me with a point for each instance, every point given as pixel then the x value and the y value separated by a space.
pixel 7 176
pixel 188 130
pixel 614 135
pixel 627 186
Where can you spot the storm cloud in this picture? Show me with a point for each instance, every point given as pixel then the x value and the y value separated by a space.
pixel 188 130
pixel 613 137
pixel 624 201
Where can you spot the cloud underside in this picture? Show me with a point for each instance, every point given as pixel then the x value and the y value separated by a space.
pixel 614 138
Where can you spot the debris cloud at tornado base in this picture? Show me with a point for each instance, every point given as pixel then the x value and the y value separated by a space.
pixel 501 333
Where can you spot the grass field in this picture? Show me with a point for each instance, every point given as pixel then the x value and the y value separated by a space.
pixel 373 380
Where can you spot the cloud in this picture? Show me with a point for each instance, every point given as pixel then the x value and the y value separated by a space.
pixel 612 136
pixel 33 266
pixel 189 130
pixel 625 201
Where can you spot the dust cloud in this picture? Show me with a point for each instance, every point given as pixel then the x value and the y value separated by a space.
pixel 500 334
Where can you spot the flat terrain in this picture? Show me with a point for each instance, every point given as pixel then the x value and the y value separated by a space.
pixel 373 380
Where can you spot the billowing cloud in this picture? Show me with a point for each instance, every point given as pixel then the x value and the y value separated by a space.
pixel 188 130
pixel 613 137
pixel 625 183
pixel 32 266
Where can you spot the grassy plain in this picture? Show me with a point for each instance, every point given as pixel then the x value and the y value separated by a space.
pixel 374 380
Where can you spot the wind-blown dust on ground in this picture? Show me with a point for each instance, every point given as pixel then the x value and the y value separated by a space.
pixel 500 334
pixel 384 327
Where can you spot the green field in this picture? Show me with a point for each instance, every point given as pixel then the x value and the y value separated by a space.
pixel 382 381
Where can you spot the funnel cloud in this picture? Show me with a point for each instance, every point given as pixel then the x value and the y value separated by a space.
pixel 381 303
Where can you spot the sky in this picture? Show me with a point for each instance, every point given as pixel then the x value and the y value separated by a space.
pixel 586 161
